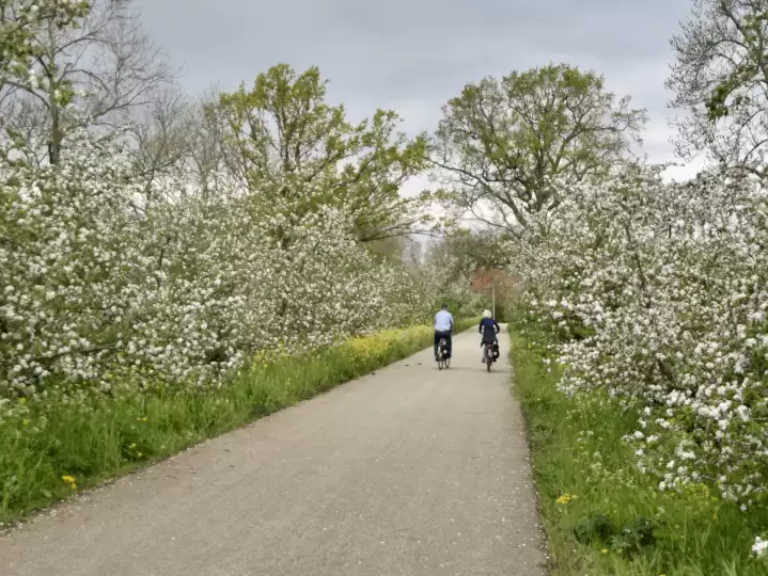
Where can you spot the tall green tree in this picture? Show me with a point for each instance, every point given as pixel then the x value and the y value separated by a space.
pixel 288 144
pixel 720 80
pixel 485 248
pixel 504 143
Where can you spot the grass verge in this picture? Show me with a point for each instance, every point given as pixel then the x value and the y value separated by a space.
pixel 60 449
pixel 602 515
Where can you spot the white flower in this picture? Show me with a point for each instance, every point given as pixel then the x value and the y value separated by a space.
pixel 760 547
pixel 670 292
pixel 188 288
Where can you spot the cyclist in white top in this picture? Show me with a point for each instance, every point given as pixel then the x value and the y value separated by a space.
pixel 444 328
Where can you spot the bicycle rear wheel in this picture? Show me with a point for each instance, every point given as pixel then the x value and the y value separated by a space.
pixel 442 359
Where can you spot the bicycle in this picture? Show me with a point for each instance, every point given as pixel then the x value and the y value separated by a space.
pixel 443 360
pixel 488 356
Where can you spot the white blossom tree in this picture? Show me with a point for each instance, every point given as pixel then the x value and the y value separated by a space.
pixel 658 292
pixel 720 80
pixel 99 60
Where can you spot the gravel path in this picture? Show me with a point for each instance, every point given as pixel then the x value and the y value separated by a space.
pixel 406 472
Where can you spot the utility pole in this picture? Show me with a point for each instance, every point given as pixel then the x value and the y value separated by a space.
pixel 493 298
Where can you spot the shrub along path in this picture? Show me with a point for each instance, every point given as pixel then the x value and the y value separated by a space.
pixel 406 471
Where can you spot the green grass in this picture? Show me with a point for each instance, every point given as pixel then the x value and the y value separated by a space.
pixel 618 523
pixel 99 441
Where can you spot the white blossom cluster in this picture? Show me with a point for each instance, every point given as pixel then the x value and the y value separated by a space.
pixel 760 547
pixel 103 292
pixel 21 18
pixel 660 295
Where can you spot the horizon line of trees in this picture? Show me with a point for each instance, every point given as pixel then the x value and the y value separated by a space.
pixel 502 151
pixel 505 148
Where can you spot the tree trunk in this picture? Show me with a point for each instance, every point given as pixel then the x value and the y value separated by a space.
pixel 54 143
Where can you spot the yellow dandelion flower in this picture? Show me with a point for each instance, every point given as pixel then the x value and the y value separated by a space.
pixel 68 479
pixel 604 551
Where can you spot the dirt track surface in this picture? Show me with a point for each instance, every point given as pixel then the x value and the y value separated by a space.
pixel 406 472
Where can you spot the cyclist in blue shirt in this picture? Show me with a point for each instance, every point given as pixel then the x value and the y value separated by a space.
pixel 489 328
pixel 443 328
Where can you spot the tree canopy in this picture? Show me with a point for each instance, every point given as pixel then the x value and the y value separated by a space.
pixel 720 80
pixel 504 142
pixel 288 142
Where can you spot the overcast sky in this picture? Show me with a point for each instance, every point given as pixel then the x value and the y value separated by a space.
pixel 413 55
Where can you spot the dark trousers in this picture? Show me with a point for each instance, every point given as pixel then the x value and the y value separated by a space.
pixel 447 336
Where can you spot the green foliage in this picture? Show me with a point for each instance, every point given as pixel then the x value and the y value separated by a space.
pixel 504 313
pixel 478 248
pixel 596 528
pixel 602 514
pixel 289 145
pixel 720 81
pixel 19 22
pixel 599 530
pixel 507 141
pixel 446 273
pixel 733 91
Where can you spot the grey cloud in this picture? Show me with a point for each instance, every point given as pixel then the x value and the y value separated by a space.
pixel 412 55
